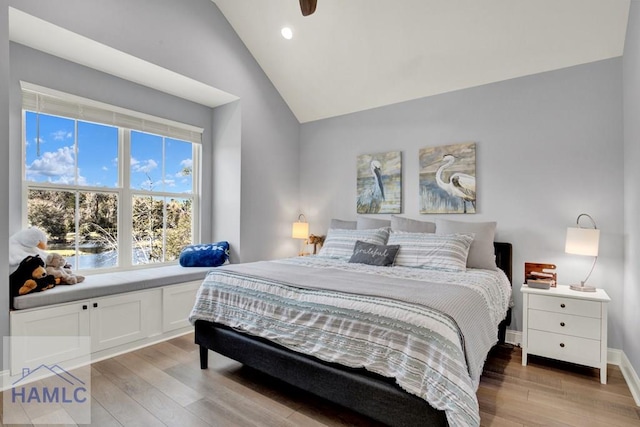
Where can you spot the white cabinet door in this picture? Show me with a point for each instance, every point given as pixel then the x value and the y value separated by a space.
pixel 49 336
pixel 119 319
pixel 177 302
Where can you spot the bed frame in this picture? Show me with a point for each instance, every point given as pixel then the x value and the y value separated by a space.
pixel 373 395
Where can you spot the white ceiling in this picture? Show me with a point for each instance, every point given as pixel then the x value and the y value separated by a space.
pixel 353 55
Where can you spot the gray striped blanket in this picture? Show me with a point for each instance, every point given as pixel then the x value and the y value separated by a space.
pixel 430 330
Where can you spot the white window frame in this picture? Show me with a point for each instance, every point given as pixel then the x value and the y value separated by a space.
pixel 75 107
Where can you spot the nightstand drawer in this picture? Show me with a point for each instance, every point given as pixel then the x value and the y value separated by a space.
pixel 563 347
pixel 560 323
pixel 566 305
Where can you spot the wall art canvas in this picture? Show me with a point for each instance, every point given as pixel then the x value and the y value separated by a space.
pixel 448 179
pixel 379 183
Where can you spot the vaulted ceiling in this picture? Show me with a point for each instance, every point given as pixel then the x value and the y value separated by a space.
pixel 353 55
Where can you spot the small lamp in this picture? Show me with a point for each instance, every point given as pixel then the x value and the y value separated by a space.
pixel 583 241
pixel 300 230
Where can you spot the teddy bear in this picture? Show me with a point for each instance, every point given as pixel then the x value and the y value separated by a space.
pixel 29 242
pixel 30 276
pixel 56 266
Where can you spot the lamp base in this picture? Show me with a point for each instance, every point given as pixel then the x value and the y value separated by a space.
pixel 582 288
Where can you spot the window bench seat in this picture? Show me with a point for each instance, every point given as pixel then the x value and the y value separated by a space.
pixel 103 284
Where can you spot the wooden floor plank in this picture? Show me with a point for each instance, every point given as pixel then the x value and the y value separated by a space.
pixel 17 413
pixel 159 379
pixel 101 417
pixel 178 354
pixel 185 342
pixel 232 394
pixel 123 408
pixel 157 358
pixel 152 399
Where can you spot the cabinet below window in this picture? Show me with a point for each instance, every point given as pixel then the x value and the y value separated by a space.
pixel 113 324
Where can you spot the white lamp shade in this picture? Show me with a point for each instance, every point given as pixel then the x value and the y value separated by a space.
pixel 582 241
pixel 300 230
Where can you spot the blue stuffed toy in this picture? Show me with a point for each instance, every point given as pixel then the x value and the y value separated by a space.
pixel 205 255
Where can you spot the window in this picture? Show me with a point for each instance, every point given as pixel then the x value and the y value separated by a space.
pixel 108 192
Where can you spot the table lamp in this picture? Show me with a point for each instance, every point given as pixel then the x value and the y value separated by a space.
pixel 583 241
pixel 300 230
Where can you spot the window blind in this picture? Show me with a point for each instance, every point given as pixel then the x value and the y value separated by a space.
pixel 48 101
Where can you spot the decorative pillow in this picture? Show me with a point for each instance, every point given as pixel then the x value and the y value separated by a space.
pixel 339 243
pixel 482 253
pixel 365 223
pixel 205 255
pixel 344 225
pixel 368 253
pixel 432 251
pixel 399 223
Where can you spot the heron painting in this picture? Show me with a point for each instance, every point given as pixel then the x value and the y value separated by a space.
pixel 448 179
pixel 379 183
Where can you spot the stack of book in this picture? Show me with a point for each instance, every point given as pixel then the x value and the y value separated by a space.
pixel 542 276
pixel 539 283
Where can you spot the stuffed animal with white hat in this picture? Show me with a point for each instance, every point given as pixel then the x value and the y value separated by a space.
pixel 24 243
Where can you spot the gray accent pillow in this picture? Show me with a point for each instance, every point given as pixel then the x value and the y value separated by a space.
pixel 339 243
pixel 365 223
pixel 482 252
pixel 399 223
pixel 343 225
pixel 368 253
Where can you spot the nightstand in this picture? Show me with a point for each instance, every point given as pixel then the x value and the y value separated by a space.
pixel 567 325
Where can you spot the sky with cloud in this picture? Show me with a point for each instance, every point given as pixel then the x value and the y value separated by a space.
pixel 53 159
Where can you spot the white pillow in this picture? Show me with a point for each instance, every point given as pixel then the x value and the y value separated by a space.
pixel 399 223
pixel 340 243
pixel 482 253
pixel 340 223
pixel 364 223
pixel 432 251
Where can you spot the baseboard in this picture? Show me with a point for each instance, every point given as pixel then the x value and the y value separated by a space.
pixel 631 377
pixel 513 337
pixel 614 357
pixel 3 375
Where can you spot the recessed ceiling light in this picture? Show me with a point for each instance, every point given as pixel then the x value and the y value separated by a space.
pixel 287 33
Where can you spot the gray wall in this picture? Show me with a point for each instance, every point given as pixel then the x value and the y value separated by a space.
pixel 190 37
pixel 549 147
pixel 631 72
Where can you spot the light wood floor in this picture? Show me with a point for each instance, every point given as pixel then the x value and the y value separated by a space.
pixel 163 385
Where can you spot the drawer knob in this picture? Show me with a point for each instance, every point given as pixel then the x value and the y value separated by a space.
pixel 562 344
pixel 562 305
pixel 84 307
pixel 562 324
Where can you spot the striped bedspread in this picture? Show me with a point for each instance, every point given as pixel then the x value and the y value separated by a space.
pixel 430 330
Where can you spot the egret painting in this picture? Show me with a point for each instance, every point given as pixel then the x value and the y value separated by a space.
pixel 448 179
pixel 379 183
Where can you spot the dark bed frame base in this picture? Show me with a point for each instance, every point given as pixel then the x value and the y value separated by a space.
pixel 373 395
pixel 369 394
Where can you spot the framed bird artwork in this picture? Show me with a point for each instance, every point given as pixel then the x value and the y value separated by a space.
pixel 379 183
pixel 448 179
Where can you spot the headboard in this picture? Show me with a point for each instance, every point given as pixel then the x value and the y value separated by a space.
pixel 504 258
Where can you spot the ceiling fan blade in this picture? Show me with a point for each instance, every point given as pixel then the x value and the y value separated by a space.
pixel 308 7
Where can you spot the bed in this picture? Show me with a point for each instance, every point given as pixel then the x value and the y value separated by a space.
pixel 374 372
